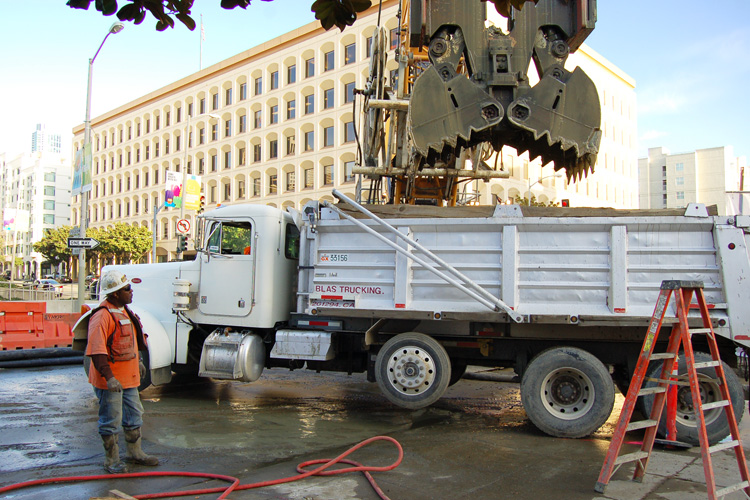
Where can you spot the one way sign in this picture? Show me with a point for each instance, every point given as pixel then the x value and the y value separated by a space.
pixel 87 243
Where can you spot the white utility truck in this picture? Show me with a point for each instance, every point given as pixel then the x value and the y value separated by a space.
pixel 415 294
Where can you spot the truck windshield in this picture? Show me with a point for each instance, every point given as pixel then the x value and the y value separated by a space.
pixel 233 238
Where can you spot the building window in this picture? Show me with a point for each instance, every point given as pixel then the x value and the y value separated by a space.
pixel 274 114
pixel 679 167
pixel 227 191
pixel 328 137
pixel 348 175
pixel 137 155
pixel 227 159
pixel 256 186
pixel 258 88
pixel 228 128
pixel 368 47
pixel 274 80
pixel 273 149
pixel 350 53
pixel 256 153
pixel 243 91
pixel 310 67
pixel 349 132
pixel 49 219
pixel 240 189
pixel 290 181
pixel 202 106
pixel 148 130
pixel 290 109
pixel 290 145
pixel 201 167
pixel 156 150
pixel 214 101
pixel 328 61
pixel 309 141
pixel 680 195
pixel 49 177
pixel 166 149
pixel 241 156
pixel 227 97
pixel 328 98
pixel 243 124
pixel 156 127
pixel 327 175
pixel 309 104
pixel 190 109
pixel 272 186
pixel 680 181
pixel 214 132
pixel 49 204
pixel 166 123
pixel 201 136
pixel 214 163
pixel 348 92
pixel 394 38
pixel 291 74
pixel 309 177
pixel 257 119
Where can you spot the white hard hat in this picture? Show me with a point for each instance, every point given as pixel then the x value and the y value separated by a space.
pixel 112 281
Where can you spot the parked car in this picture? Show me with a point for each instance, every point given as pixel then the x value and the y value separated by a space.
pixel 66 279
pixel 90 278
pixel 49 285
pixel 93 289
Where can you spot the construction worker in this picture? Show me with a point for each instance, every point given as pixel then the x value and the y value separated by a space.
pixel 115 335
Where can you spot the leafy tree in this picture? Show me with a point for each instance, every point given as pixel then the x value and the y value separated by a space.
pixel 54 245
pixel 534 203
pixel 122 242
pixel 339 13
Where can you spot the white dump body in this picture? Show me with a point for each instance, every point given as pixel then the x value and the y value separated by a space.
pixel 587 269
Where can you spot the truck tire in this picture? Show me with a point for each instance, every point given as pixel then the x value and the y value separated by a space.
pixel 567 392
pixel 717 426
pixel 145 381
pixel 458 369
pixel 412 370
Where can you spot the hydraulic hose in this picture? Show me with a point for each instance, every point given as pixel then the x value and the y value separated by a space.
pixel 235 482
pixel 33 363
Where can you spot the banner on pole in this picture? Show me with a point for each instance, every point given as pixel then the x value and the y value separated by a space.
pixel 173 193
pixel 192 192
pixel 82 181
pixel 15 219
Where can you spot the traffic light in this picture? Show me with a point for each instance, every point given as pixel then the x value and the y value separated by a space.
pixel 182 243
pixel 565 203
pixel 202 204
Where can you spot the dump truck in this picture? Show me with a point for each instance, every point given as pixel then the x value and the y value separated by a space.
pixel 412 295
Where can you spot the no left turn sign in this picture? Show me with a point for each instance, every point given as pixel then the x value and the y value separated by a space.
pixel 183 226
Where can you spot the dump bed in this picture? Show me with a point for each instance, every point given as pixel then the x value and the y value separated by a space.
pixel 585 266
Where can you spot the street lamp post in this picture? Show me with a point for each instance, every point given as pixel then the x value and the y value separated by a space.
pixel 531 185
pixel 84 215
pixel 183 194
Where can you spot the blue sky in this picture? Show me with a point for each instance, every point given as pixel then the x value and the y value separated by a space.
pixel 690 63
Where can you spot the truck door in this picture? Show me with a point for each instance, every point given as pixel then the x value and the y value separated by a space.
pixel 228 269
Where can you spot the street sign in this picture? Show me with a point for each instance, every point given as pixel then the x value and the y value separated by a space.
pixel 75 231
pixel 88 243
pixel 183 226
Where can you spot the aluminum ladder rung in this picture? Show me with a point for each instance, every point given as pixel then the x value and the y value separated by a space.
pixel 715 404
pixel 662 355
pixel 651 390
pixel 723 446
pixel 631 457
pixel 706 364
pixel 699 331
pixel 731 489
pixel 641 424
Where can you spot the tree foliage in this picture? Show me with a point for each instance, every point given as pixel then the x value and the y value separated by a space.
pixel 339 13
pixel 534 202
pixel 122 242
pixel 54 245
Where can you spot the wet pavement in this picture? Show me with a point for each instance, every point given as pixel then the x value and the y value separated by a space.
pixel 475 443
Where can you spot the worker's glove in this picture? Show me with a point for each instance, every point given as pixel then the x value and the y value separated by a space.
pixel 142 369
pixel 113 385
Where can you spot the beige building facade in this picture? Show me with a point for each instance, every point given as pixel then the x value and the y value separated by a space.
pixel 275 125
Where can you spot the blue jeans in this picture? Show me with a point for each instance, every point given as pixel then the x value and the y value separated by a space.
pixel 119 408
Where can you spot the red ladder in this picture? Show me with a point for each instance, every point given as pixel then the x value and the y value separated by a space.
pixel 681 336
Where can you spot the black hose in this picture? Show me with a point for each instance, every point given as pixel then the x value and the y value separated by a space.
pixel 50 352
pixel 34 363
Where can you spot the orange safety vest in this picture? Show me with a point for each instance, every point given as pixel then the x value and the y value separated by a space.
pixel 127 337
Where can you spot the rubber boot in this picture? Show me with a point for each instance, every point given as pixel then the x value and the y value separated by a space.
pixel 112 462
pixel 134 452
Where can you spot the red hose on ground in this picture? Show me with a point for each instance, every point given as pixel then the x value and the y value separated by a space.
pixel 236 486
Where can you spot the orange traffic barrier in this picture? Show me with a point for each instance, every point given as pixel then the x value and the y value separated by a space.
pixel 27 325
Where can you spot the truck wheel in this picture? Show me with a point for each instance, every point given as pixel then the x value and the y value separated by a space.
pixel 717 426
pixel 567 392
pixel 412 370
